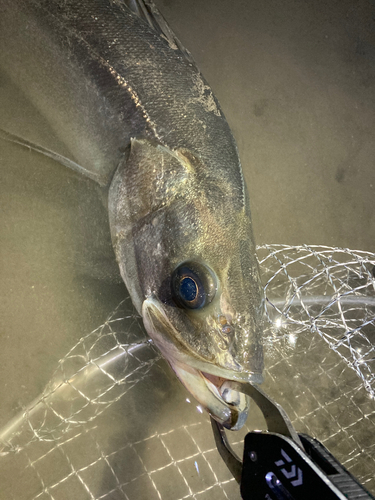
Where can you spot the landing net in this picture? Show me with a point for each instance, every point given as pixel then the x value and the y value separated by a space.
pixel 114 422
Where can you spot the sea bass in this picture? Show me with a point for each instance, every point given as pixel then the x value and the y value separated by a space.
pixel 136 115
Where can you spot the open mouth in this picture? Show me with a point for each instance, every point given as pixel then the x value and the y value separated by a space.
pixel 213 392
pixel 214 383
pixel 208 382
pixel 236 401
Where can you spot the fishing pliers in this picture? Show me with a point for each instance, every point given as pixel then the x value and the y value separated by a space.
pixel 280 464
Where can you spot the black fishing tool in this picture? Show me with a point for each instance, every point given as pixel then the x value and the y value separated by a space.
pixel 280 464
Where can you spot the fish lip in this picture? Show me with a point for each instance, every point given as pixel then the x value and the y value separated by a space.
pixel 220 371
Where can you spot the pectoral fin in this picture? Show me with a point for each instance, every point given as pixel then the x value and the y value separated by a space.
pixel 66 162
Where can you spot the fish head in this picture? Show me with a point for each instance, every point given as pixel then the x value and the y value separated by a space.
pixel 184 244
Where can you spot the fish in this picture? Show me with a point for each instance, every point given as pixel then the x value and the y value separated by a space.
pixel 136 116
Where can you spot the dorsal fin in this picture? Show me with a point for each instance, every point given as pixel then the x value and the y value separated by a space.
pixel 147 10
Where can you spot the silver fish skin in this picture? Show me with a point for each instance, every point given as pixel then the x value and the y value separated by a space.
pixel 135 114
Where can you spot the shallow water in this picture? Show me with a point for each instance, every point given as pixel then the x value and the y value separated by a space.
pixel 295 81
pixel 114 422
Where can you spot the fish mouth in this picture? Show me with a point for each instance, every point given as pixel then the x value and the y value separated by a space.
pixel 207 381
pixel 213 392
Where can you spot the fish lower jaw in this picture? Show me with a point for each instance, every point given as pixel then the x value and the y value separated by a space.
pixel 228 407
pixel 206 381
pixel 202 378
pixel 238 402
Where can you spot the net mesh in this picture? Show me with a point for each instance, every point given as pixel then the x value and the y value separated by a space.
pixel 114 422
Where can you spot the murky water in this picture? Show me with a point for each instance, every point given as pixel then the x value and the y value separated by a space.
pixel 59 275
pixel 295 81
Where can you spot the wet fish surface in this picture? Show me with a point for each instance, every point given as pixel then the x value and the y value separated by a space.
pixel 137 117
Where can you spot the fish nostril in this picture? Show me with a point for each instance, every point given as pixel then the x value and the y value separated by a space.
pixel 222 320
pixel 227 329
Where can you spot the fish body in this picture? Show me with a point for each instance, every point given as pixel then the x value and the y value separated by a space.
pixel 135 114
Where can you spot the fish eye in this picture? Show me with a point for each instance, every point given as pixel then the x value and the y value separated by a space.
pixel 193 285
